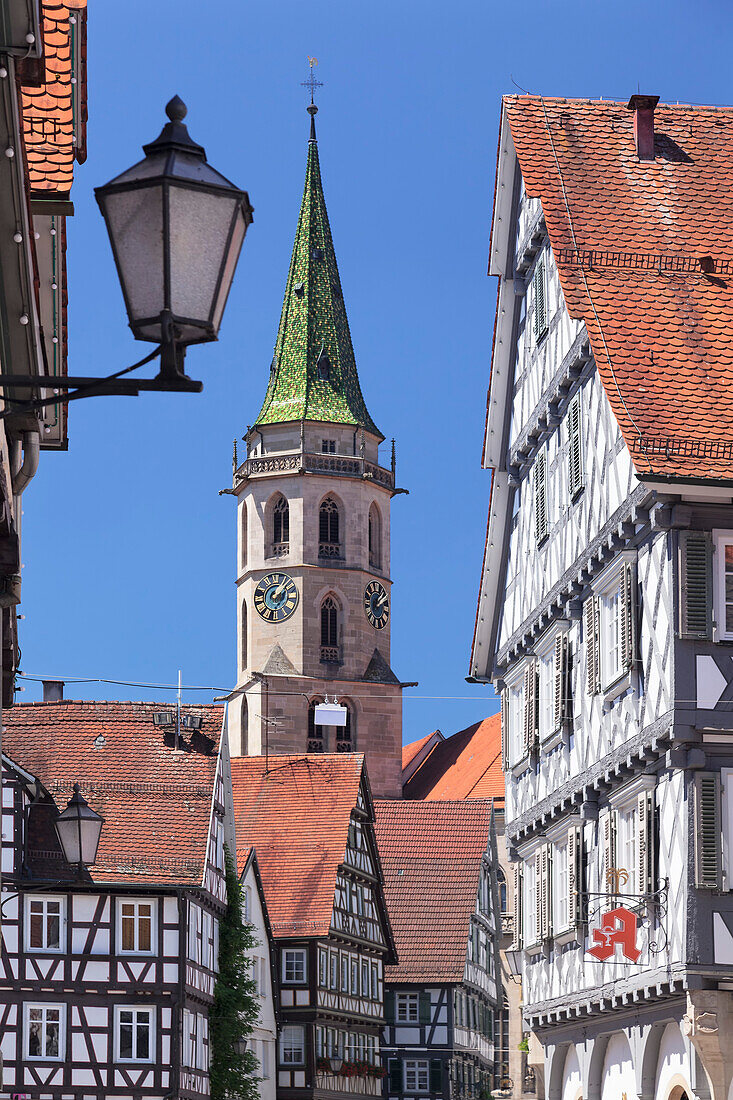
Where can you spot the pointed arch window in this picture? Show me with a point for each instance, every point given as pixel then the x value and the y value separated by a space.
pixel 330 648
pixel 316 734
pixel 244 727
pixel 243 536
pixel 243 641
pixel 329 530
pixel 280 528
pixel 375 538
pixel 344 737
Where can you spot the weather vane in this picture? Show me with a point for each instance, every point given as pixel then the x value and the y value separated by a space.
pixel 311 83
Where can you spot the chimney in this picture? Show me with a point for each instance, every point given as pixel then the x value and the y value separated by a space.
pixel 53 691
pixel 643 108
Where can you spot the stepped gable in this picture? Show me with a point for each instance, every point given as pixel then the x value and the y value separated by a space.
pixel 431 856
pixel 313 374
pixel 644 251
pixel 295 812
pixel 156 802
pixel 464 766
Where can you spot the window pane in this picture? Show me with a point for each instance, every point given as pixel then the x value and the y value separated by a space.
pixel 143 1037
pixel 125 1038
pixel 53 931
pixel 144 928
pixel 52 1036
pixel 35 935
pixel 128 932
pixel 34 1036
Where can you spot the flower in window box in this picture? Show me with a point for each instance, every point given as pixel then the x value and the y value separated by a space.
pixel 323 1065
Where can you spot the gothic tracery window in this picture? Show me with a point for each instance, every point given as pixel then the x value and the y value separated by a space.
pixel 344 733
pixel 375 538
pixel 330 650
pixel 329 540
pixel 316 734
pixel 280 527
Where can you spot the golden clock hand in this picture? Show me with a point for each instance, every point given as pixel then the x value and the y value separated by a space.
pixel 382 600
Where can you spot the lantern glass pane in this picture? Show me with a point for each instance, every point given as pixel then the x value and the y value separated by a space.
pixel 68 831
pixel 235 247
pixel 199 232
pixel 136 227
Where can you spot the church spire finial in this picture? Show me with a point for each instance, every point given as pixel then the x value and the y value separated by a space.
pixel 311 83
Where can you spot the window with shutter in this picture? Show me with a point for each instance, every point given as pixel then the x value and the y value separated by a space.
pixel 538 897
pixel 628 617
pixel 645 870
pixel 575 448
pixel 518 928
pixel 540 496
pixel 504 730
pixel 530 707
pixel 708 841
pixel 561 682
pixel 696 584
pixel 608 833
pixel 575 855
pixel 539 287
pixel 436 1075
pixel 590 625
pixel 395 1075
pixel 424 1008
pixel 545 922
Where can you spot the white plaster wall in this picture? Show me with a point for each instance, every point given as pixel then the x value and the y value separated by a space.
pixel 673 1066
pixel 265 1032
pixel 618 1070
pixel 572 1082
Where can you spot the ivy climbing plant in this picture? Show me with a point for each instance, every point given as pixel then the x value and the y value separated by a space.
pixel 234 1069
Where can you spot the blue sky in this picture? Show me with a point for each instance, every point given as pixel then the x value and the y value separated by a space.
pixel 129 551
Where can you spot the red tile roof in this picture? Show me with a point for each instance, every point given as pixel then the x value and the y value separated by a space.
pixel 156 802
pixel 659 324
pixel 296 816
pixel 466 765
pixel 431 856
pixel 409 752
pixel 48 112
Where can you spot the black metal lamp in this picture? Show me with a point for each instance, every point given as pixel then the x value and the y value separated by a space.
pixel 336 1062
pixel 79 828
pixel 176 226
pixel 514 962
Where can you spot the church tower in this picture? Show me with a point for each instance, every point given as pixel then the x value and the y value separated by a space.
pixel 313 588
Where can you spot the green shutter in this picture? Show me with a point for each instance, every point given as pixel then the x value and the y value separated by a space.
pixel 424 1008
pixel 436 1075
pixel 696 584
pixel 389 1015
pixel 708 828
pixel 395 1075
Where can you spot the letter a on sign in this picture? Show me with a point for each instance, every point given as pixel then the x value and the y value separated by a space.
pixel 618 926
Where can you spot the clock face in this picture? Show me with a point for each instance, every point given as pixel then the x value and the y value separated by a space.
pixel 276 597
pixel 376 604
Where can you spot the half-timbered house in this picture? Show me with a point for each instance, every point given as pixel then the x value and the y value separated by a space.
pixel 107 976
pixel 442 996
pixel 310 820
pixel 263 1040
pixel 605 613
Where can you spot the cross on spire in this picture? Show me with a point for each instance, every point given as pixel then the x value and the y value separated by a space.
pixel 311 83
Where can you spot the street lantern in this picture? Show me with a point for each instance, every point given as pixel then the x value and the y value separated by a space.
pixel 176 226
pixel 78 828
pixel 514 962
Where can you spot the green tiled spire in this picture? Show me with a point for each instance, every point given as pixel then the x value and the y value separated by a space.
pixel 313 374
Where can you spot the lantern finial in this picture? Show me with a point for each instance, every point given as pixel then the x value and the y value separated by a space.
pixel 176 109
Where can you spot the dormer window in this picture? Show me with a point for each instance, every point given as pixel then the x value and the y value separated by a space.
pixel 323 367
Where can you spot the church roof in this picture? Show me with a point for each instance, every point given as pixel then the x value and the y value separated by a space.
pixel 295 812
pixel 464 766
pixel 431 857
pixel 313 374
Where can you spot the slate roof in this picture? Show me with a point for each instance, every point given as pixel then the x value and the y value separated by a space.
pixel 156 802
pixel 431 857
pixel 295 813
pixel 48 110
pixel 659 321
pixel 313 322
pixel 464 766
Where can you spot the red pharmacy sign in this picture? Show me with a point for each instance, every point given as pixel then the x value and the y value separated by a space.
pixel 618 926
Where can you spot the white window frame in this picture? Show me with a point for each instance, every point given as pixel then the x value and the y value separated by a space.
pixel 720 540
pixel 152 902
pixel 44 1008
pixel 289 1033
pixel 608 587
pixel 43 900
pixel 623 804
pixel 545 656
pixel 515 715
pixel 529 903
pixel 416 1067
pixel 296 953
pixel 150 1013
pixel 410 1002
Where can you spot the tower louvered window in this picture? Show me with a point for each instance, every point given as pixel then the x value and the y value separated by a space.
pixel 329 540
pixel 316 733
pixel 281 527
